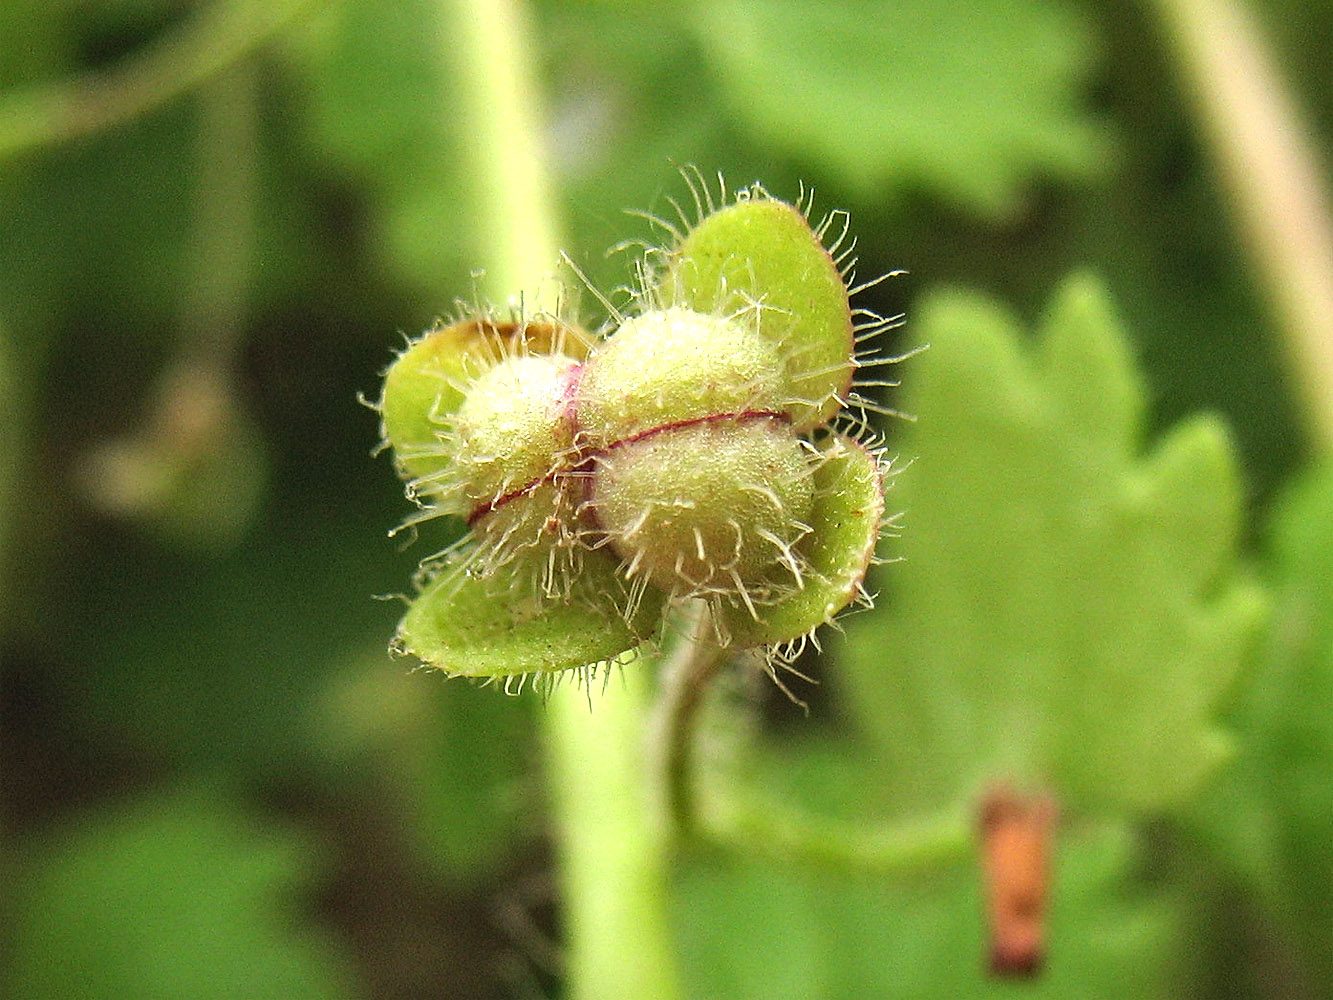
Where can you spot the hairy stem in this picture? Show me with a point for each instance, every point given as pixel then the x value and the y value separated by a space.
pixel 221 34
pixel 1266 160
pixel 611 851
pixel 740 818
pixel 696 660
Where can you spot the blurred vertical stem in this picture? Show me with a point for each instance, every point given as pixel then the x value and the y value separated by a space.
pixel 196 421
pixel 611 848
pixel 686 675
pixel 213 313
pixel 495 97
pixel 1267 162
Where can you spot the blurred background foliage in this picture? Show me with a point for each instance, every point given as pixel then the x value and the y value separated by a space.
pixel 217 220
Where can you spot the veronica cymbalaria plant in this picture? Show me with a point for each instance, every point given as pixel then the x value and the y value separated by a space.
pixel 713 446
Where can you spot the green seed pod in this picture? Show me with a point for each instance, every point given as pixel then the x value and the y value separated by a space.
pixel 672 365
pixel 470 626
pixel 691 454
pixel 511 432
pixel 709 507
pixel 429 381
pixel 846 519
pixel 513 449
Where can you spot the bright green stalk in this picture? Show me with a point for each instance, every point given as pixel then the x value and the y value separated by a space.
pixel 749 823
pixel 613 875
pixel 611 847
pixel 1278 189
pixel 493 93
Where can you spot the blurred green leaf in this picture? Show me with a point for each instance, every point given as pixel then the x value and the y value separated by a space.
pixel 1273 814
pixel 970 100
pixel 751 928
pixel 170 897
pixel 1068 612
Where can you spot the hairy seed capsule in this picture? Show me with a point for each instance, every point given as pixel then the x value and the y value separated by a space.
pixel 513 438
pixel 672 365
pixel 426 385
pixel 687 455
pixel 511 428
pixel 714 506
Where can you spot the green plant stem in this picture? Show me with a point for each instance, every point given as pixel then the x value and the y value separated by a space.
pixel 218 36
pixel 1266 161
pixel 740 819
pixel 685 676
pixel 610 846
pixel 494 96
pixel 195 409
pixel 197 392
pixel 612 853
pixel 213 313
pixel 752 824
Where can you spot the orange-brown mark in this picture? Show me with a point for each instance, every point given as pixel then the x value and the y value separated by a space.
pixel 1016 835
